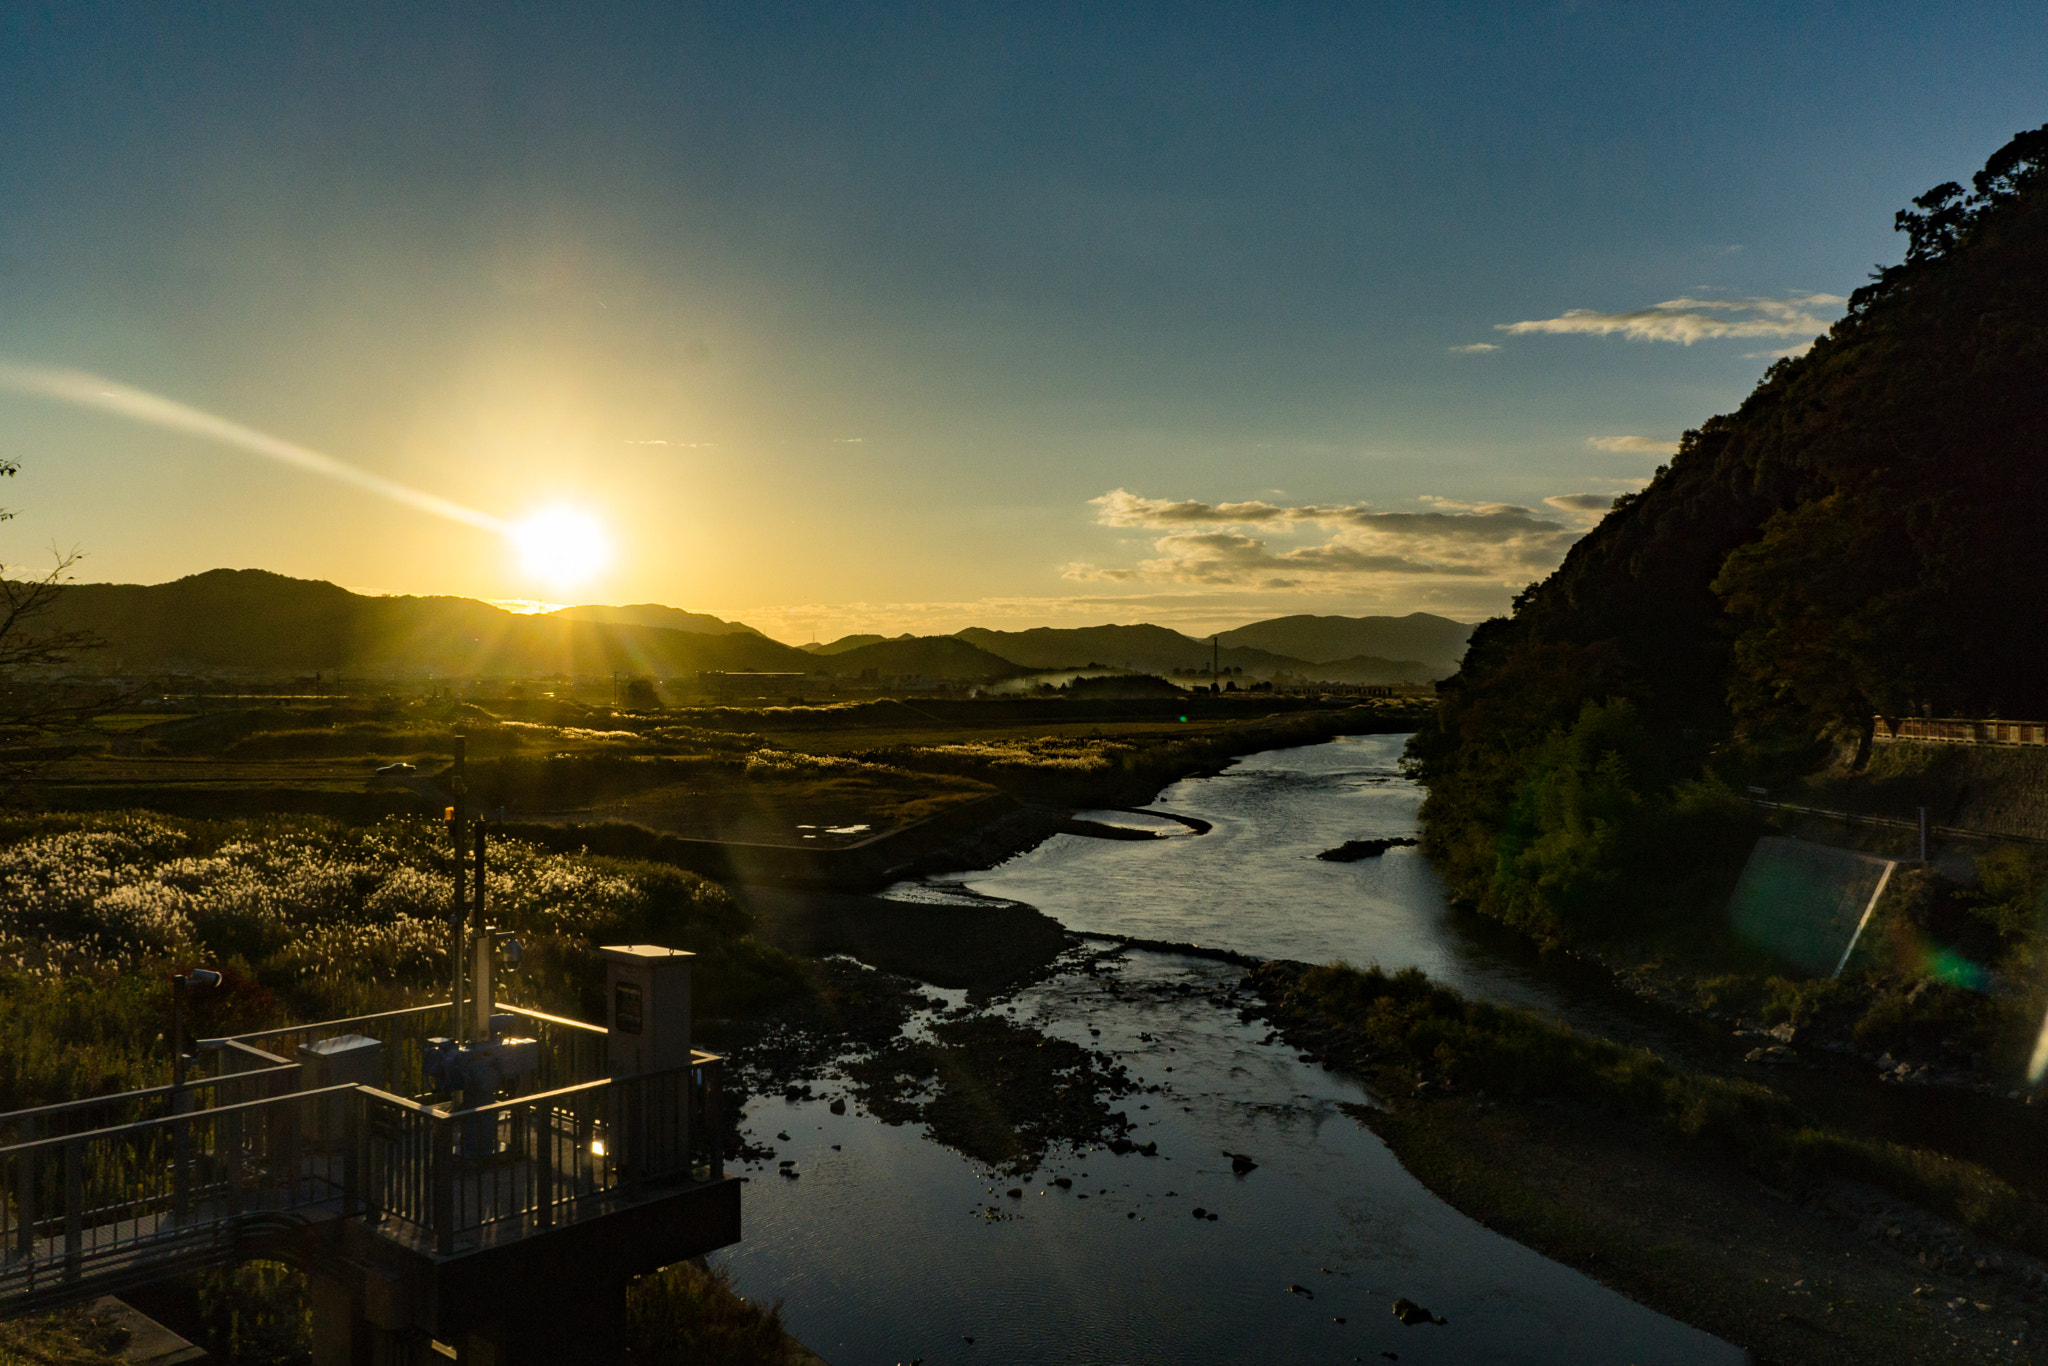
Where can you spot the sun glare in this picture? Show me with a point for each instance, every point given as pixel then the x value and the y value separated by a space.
pixel 561 546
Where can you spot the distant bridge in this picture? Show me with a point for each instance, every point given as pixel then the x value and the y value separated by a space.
pixel 504 1230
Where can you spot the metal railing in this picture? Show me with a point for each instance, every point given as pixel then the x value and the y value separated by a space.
pixel 527 1163
pixel 248 1080
pixel 116 1190
pixel 404 1034
pixel 84 1208
pixel 570 1050
pixel 1894 823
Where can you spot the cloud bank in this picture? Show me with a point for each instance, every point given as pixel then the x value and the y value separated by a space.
pixel 1213 544
pixel 1633 445
pixel 1686 321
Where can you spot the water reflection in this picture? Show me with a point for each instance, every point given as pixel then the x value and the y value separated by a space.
pixel 892 1248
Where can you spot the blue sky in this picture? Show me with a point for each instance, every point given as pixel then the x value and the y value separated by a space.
pixel 912 318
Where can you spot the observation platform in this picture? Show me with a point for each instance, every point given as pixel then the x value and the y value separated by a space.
pixel 502 1227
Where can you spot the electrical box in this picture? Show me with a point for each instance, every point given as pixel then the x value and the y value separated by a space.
pixel 647 1008
pixel 345 1059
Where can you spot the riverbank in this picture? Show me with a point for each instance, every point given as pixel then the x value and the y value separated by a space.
pixel 1715 1201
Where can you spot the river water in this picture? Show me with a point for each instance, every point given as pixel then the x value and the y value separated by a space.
pixel 891 1248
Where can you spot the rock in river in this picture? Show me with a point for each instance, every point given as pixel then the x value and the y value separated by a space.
pixel 1411 1313
pixel 1351 851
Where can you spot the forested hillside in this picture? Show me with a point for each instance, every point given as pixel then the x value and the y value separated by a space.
pixel 1864 535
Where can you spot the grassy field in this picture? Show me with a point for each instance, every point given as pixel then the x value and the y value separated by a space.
pixel 795 775
pixel 311 919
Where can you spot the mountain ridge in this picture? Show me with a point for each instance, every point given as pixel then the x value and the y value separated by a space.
pixel 254 621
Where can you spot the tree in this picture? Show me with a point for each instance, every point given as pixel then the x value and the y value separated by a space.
pixel 35 698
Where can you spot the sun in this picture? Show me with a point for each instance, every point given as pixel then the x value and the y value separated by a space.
pixel 561 546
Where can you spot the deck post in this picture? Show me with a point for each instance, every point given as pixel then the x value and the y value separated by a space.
pixel 442 1162
pixel 25 1195
pixel 351 1154
pixel 74 1208
pixel 233 1142
pixel 543 1165
pixel 181 1156
pixel 714 1115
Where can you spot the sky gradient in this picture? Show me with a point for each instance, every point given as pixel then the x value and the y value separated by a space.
pixel 841 318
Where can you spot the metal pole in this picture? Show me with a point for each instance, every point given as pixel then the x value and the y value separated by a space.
pixel 480 985
pixel 459 905
pixel 177 1036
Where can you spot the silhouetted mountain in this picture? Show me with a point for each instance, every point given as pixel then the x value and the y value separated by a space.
pixel 1437 641
pixel 1155 649
pixel 1148 649
pixel 250 621
pixel 845 643
pixel 654 614
pixel 1371 669
pixel 917 656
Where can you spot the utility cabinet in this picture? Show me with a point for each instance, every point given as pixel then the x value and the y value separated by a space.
pixel 345 1059
pixel 647 1008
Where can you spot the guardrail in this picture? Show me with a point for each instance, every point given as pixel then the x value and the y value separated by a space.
pixel 160 1194
pixel 1895 823
pixel 89 1211
pixel 526 1163
pixel 570 1050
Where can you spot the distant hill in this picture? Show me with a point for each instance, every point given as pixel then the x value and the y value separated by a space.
pixel 250 621
pixel 1142 648
pixel 1420 647
pixel 845 643
pixel 253 622
pixel 1371 669
pixel 1436 641
pixel 919 656
pixel 654 614
pixel 1147 648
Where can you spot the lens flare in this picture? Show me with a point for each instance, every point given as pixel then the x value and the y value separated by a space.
pixel 85 390
pixel 558 546
pixel 561 546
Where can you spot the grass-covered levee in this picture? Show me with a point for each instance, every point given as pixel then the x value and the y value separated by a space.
pixel 309 919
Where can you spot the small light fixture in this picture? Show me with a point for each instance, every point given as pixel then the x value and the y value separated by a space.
pixel 597 1147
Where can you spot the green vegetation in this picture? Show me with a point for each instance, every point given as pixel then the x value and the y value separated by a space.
pixel 1410 1034
pixel 68 1337
pixel 1109 769
pixel 1859 538
pixel 308 919
pixel 685 1315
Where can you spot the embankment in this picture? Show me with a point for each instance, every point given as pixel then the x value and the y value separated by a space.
pixel 1712 1199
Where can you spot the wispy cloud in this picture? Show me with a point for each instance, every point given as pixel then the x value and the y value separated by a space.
pixel 1785 353
pixel 1633 445
pixel 849 441
pixel 1686 321
pixel 1474 349
pixel 680 445
pixel 1213 544
pixel 1581 502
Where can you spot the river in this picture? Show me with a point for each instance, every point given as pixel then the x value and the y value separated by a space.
pixel 891 1248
